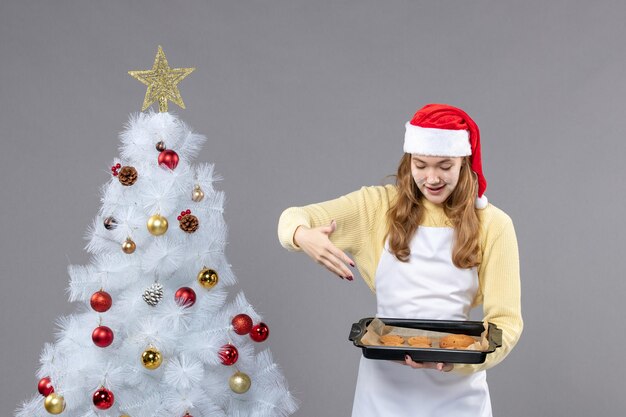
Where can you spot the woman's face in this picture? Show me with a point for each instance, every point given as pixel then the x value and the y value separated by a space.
pixel 436 177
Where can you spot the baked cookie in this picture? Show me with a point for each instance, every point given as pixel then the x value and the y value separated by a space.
pixel 392 340
pixel 456 341
pixel 420 341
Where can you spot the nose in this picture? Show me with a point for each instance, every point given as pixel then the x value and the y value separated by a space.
pixel 432 178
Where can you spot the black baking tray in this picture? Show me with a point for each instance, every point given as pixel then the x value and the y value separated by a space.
pixel 471 328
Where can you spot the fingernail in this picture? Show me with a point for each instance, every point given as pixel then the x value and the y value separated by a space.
pixel 352 264
pixel 349 278
pixel 406 357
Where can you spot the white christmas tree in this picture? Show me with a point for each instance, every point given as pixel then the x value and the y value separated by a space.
pixel 157 333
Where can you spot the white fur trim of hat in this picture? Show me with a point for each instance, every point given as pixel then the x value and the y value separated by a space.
pixel 436 142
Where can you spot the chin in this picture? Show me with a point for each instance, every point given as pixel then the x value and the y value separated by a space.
pixel 435 199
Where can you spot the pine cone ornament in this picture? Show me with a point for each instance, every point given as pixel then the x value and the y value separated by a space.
pixel 127 175
pixel 153 294
pixel 188 222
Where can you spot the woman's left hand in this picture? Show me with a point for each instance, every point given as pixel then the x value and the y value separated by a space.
pixel 440 366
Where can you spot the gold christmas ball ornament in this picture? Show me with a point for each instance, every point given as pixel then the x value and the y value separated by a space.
pixel 151 358
pixel 197 195
pixel 129 246
pixel 208 278
pixel 239 382
pixel 157 225
pixel 54 403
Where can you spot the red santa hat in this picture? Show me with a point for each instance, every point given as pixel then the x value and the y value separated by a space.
pixel 443 130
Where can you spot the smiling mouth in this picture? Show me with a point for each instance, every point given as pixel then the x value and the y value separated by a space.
pixel 435 188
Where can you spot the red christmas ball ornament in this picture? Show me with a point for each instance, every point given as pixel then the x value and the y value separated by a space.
pixel 169 158
pixel 260 332
pixel 242 324
pixel 228 354
pixel 185 296
pixel 101 301
pixel 102 336
pixel 45 386
pixel 103 399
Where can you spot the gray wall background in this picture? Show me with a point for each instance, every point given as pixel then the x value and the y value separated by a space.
pixel 303 101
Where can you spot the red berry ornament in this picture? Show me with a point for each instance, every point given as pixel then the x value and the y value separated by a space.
pixel 102 336
pixel 228 354
pixel 242 324
pixel 260 332
pixel 185 296
pixel 103 399
pixel 114 169
pixel 101 301
pixel 168 158
pixel 45 386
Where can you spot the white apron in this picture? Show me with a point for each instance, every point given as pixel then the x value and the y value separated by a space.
pixel 429 286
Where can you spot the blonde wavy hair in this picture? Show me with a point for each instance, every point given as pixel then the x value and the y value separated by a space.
pixel 405 215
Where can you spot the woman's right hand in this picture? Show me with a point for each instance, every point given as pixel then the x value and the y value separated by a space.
pixel 316 243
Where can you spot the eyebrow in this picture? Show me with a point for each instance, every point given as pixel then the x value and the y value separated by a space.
pixel 438 163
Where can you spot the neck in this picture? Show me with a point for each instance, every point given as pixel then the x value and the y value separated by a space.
pixel 434 214
pixel 430 205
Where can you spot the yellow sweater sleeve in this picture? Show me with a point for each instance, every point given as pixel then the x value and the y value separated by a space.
pixel 361 229
pixel 355 214
pixel 500 288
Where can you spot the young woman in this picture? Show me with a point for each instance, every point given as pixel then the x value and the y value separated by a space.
pixel 430 247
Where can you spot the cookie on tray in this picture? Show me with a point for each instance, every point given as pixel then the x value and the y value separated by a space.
pixel 456 341
pixel 392 340
pixel 420 341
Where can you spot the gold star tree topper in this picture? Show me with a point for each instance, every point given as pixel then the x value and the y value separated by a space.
pixel 162 82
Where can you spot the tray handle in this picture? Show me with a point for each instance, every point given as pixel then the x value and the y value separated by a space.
pixel 355 332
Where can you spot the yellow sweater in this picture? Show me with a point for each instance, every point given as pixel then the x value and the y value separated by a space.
pixel 361 231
